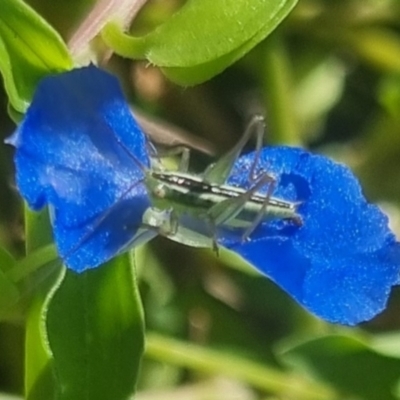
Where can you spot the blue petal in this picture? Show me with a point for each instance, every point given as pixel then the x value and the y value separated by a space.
pixel 342 262
pixel 79 150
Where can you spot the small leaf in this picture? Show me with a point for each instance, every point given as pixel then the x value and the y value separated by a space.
pixel 95 332
pixel 203 38
pixel 29 49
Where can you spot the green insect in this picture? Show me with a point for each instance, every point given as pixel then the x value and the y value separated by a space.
pixel 190 208
pixel 206 199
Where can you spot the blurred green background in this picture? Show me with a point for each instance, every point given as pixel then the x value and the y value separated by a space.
pixel 328 79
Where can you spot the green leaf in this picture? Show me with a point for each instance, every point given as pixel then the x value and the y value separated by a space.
pixel 9 292
pixel 95 331
pixel 6 260
pixel 387 344
pixel 40 380
pixel 202 38
pixel 349 362
pixel 20 280
pixel 38 230
pixel 29 50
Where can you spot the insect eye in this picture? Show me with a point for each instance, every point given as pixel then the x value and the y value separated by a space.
pixel 159 191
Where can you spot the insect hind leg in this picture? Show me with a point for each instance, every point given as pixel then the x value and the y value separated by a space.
pixel 271 181
pixel 218 172
pixel 259 132
pixel 224 212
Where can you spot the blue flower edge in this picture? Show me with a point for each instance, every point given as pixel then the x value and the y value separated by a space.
pixel 343 261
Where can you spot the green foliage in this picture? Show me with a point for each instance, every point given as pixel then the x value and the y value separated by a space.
pixel 344 361
pixel 29 50
pixel 9 293
pixel 98 343
pixel 39 374
pixel 185 46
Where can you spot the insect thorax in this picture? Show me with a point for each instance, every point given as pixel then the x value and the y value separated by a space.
pixel 177 191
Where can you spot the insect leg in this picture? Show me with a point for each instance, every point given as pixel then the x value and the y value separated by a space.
pixel 260 215
pixel 184 152
pixel 158 220
pixel 151 149
pixel 220 170
pixel 184 161
pixel 225 211
pixel 166 223
pixel 156 155
pixel 260 131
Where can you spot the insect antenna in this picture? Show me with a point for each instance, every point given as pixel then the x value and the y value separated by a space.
pixel 142 167
pixel 99 220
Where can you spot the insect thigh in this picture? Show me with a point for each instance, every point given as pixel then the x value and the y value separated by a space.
pixel 218 172
pixel 226 211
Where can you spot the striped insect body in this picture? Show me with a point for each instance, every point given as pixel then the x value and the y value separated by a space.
pixel 190 208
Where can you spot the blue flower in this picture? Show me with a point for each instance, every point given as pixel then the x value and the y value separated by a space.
pixel 80 152
pixel 342 262
pixel 75 150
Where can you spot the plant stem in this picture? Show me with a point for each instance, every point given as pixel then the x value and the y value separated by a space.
pixel 32 262
pixel 262 377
